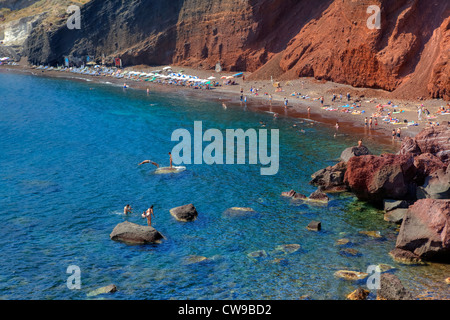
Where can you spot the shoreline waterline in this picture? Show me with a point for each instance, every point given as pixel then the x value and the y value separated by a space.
pixel 295 110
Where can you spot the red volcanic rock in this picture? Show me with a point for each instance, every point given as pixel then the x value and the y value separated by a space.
pixel 409 146
pixel 408 54
pixel 425 230
pixel 435 140
pixel 325 39
pixel 426 164
pixel 374 178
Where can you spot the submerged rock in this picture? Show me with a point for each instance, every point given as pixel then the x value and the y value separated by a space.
pixel 108 289
pixel 257 254
pixel 341 242
pixel 184 213
pixel 350 252
pixel 195 259
pixel 358 294
pixel 132 233
pixel 351 275
pixel 319 196
pixel 372 234
pixel 288 248
pixel 240 212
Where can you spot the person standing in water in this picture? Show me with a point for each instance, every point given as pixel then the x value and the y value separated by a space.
pixel 170 157
pixel 127 209
pixel 148 214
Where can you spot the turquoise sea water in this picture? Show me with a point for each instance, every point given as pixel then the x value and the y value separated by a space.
pixel 68 165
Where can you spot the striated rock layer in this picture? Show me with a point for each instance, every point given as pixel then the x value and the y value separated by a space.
pixel 286 39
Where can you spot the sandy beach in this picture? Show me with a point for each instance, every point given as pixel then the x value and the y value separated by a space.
pixel 301 94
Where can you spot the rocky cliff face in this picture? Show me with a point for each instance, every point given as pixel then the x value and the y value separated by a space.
pixel 326 39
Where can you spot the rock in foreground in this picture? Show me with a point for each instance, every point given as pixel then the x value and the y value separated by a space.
pixel 391 288
pixel 425 230
pixel 132 233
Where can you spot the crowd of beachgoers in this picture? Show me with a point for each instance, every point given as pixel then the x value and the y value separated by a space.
pixel 163 76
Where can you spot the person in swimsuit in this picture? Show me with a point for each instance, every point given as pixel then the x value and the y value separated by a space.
pixel 127 209
pixel 148 214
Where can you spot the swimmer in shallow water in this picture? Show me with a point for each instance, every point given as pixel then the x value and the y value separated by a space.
pixel 148 161
pixel 127 209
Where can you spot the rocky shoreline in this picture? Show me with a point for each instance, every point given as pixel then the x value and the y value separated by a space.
pixel 412 187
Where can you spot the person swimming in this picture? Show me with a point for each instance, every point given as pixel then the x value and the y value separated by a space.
pixel 149 161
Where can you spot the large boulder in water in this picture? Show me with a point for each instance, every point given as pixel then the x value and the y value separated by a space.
pixel 374 178
pixel 184 213
pixel 425 230
pixel 354 152
pixel 133 233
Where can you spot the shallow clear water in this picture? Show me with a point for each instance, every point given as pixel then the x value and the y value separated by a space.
pixel 69 164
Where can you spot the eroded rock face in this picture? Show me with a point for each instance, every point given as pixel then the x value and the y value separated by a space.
pixel 425 230
pixel 324 39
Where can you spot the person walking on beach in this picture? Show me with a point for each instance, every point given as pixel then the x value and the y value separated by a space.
pixel 170 159
pixel 419 111
pixel 348 96
pixel 309 111
pixel 399 131
pixel 393 134
pixel 334 97
pixel 148 214
pixel 366 122
pixel 370 123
